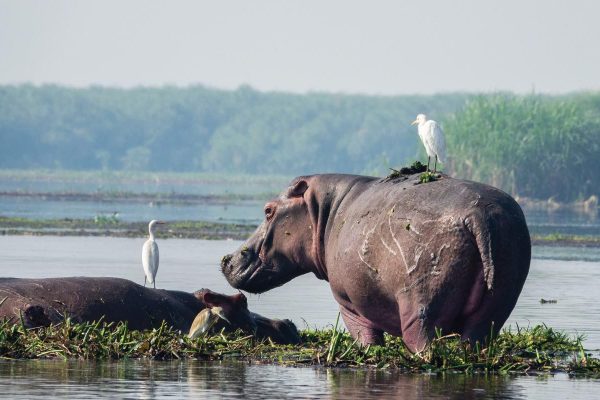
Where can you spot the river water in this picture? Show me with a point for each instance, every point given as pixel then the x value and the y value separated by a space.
pixel 192 264
pixel 142 379
pixel 228 208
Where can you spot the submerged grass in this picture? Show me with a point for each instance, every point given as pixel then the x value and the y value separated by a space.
pixel 538 349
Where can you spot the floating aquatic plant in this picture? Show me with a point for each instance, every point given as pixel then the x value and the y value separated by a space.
pixel 533 349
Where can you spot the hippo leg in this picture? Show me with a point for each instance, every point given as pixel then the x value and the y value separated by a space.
pixel 414 335
pixel 361 328
pixel 493 310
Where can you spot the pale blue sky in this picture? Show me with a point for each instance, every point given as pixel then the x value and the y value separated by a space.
pixel 375 47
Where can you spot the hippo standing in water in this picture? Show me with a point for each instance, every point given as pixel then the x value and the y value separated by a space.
pixel 400 258
pixel 41 302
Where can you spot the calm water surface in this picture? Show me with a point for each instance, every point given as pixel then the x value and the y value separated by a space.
pixel 192 264
pixel 248 211
pixel 141 379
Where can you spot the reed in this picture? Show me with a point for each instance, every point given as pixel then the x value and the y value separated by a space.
pixel 528 145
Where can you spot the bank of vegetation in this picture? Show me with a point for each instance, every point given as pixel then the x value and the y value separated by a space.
pixel 533 146
pixel 537 349
pixel 530 146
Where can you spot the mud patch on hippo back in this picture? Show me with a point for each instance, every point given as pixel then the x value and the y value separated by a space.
pixel 364 250
pixel 413 247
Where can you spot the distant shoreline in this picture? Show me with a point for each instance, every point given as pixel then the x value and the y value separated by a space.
pixel 114 228
pixel 132 197
pixel 271 183
pixel 195 230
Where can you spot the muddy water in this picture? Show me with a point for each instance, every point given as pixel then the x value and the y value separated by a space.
pixel 191 264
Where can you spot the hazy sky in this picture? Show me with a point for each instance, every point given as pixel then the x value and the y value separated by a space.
pixel 383 47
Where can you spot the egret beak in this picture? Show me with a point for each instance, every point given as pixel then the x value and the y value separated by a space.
pixel 414 122
pixel 161 222
pixel 219 312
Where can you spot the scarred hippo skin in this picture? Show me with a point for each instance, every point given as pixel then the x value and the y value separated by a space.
pixel 42 302
pixel 400 258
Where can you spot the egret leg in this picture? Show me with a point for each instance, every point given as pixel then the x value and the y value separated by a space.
pixel 145 280
pixel 435 165
pixel 428 161
pixel 154 284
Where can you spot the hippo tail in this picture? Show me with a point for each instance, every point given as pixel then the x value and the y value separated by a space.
pixel 503 242
pixel 480 229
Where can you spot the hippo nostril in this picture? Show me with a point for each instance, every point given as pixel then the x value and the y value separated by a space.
pixel 226 260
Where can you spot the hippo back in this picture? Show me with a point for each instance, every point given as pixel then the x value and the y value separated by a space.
pixel 45 301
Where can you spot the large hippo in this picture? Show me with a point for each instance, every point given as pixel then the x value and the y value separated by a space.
pixel 41 302
pixel 400 257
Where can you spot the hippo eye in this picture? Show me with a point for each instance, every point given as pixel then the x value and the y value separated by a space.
pixel 269 211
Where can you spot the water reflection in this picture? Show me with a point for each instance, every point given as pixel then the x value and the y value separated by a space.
pixel 144 379
pixel 393 384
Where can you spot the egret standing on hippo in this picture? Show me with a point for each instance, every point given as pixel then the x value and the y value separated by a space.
pixel 150 255
pixel 400 257
pixel 433 139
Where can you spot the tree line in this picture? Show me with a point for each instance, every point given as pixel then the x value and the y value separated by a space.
pixel 203 129
pixel 532 145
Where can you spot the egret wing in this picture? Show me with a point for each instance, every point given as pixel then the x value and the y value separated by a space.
pixel 150 259
pixel 438 141
pixel 424 134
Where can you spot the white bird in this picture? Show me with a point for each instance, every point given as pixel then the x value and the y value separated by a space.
pixel 433 139
pixel 205 320
pixel 150 255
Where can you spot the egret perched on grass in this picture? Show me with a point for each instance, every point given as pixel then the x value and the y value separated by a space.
pixel 433 139
pixel 205 320
pixel 150 255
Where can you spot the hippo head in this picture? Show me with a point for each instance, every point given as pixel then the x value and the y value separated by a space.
pixel 281 247
pixel 235 308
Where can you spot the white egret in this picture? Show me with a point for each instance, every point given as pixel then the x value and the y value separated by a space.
pixel 205 320
pixel 433 139
pixel 150 255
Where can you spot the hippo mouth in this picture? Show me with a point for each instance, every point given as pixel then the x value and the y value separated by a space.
pixel 240 275
pixel 254 277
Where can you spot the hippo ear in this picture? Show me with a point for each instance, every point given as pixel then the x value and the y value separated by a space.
pixel 298 189
pixel 241 300
pixel 212 299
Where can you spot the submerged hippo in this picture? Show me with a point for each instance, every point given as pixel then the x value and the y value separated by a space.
pixel 400 258
pixel 42 302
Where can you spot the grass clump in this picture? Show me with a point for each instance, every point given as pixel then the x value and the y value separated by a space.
pixel 534 349
pixel 428 176
pixel 112 219
pixel 414 168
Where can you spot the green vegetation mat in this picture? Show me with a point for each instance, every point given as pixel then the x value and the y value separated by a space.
pixel 537 349
pixel 112 226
